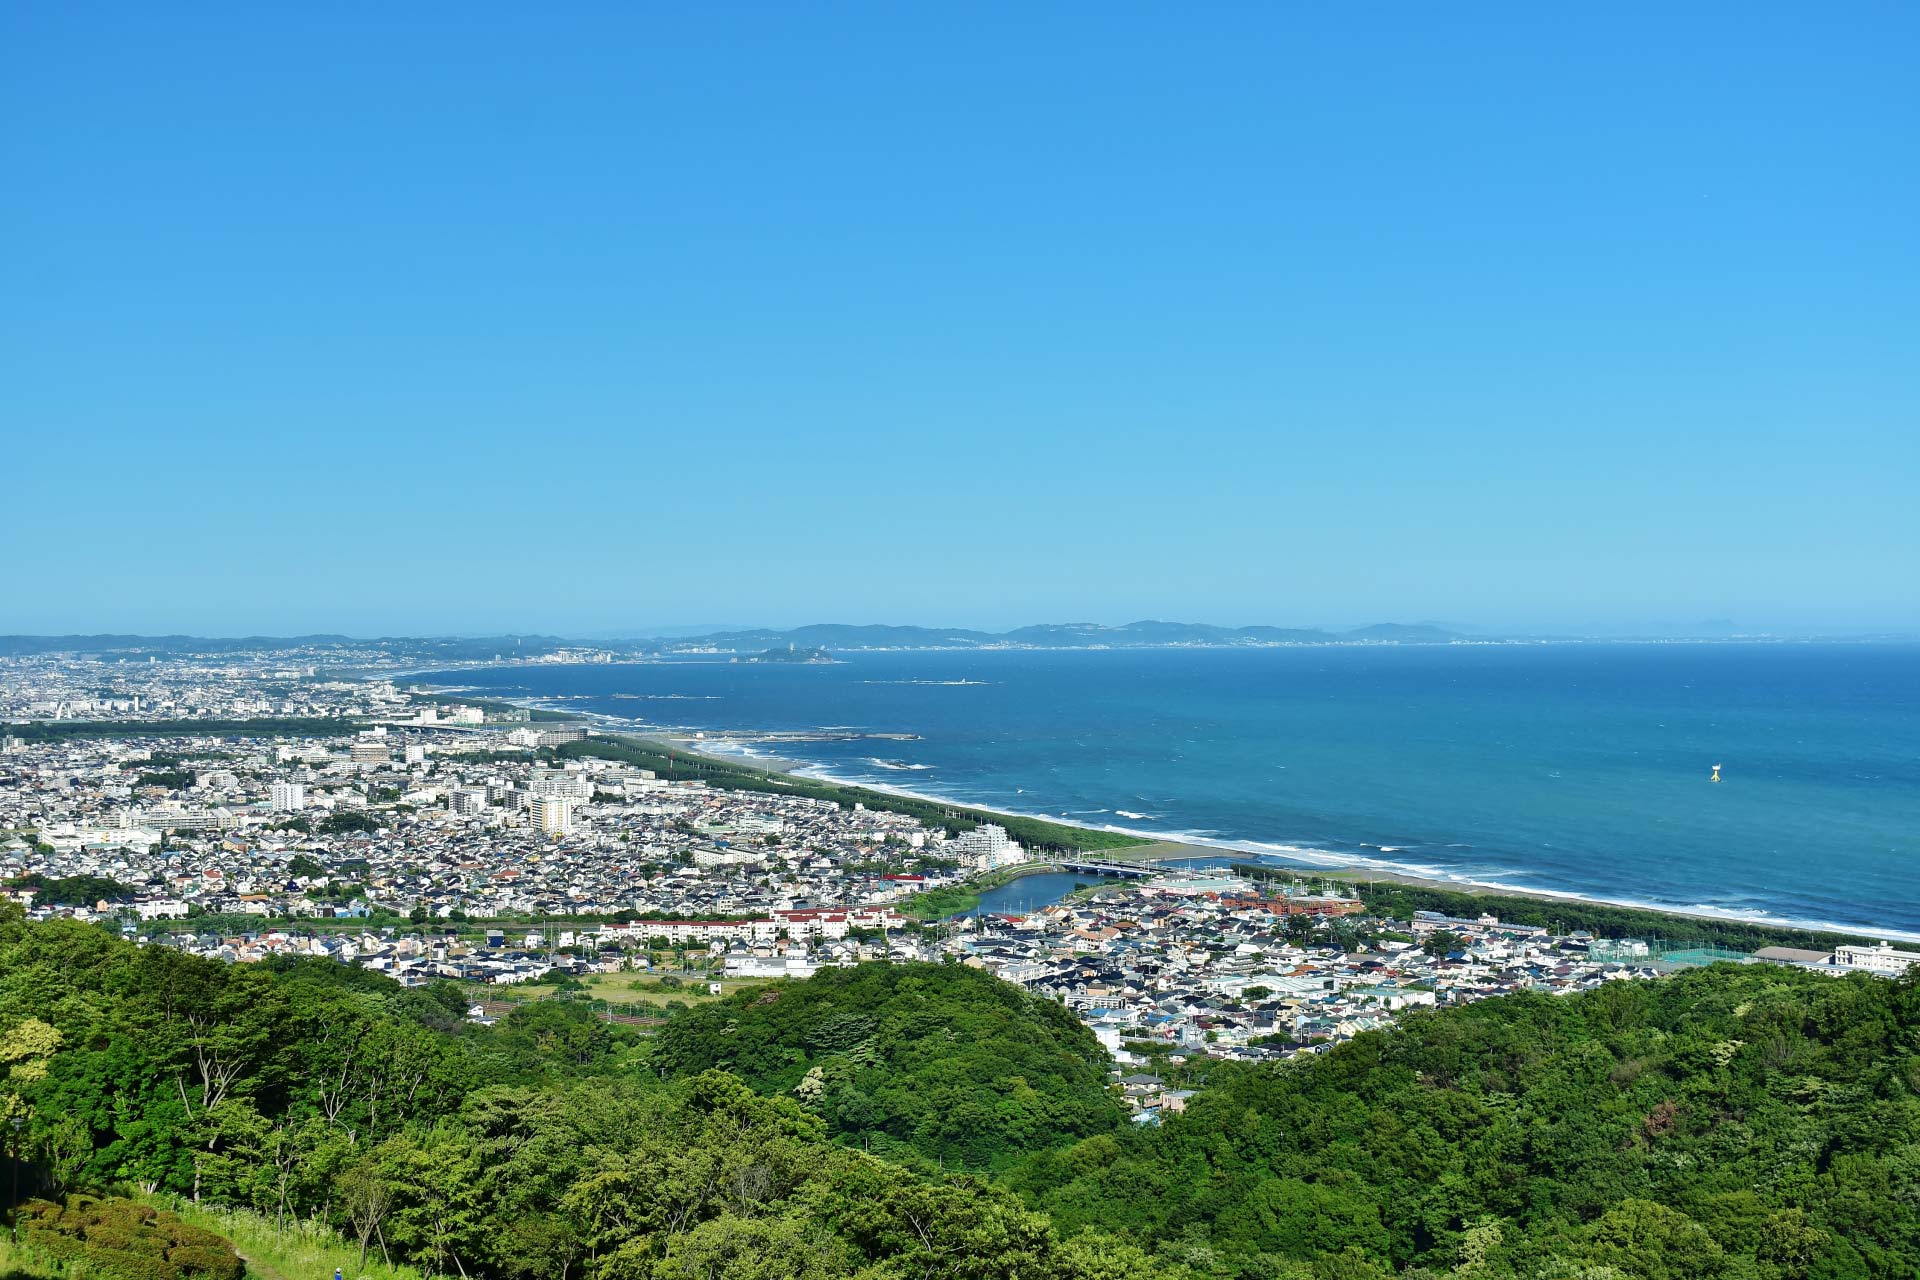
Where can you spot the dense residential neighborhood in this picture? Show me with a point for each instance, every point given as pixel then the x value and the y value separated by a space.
pixel 249 806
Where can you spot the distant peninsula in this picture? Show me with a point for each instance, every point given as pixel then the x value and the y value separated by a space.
pixel 1050 635
pixel 817 642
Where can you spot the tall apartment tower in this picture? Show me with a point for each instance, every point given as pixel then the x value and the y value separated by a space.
pixel 554 814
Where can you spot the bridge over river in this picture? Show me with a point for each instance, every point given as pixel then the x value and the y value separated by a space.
pixel 1096 867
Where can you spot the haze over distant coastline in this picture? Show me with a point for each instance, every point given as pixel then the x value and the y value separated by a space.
pixel 879 636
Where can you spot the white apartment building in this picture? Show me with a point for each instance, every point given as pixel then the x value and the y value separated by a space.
pixel 468 801
pixel 565 783
pixel 986 846
pixel 169 819
pixel 287 797
pixel 553 814
pixel 1881 958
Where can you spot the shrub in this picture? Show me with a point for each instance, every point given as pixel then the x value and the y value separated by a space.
pixel 60 1246
pixel 104 1236
pixel 186 1235
pixel 212 1263
pixel 130 1266
pixel 128 1240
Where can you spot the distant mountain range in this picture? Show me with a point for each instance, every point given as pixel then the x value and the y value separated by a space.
pixel 453 648
pixel 827 635
pixel 1051 635
pixel 831 636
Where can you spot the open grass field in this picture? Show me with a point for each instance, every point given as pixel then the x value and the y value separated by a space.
pixel 619 988
pixel 300 1250
pixel 20 1262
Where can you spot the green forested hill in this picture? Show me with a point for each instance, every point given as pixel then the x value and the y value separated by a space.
pixel 1751 1123
pixel 1727 1124
pixel 541 1149
pixel 940 1059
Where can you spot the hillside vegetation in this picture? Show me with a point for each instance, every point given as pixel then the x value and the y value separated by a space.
pixel 545 1148
pixel 1727 1124
pixel 1399 901
pixel 1736 1123
pixel 942 1060
pixel 126 1239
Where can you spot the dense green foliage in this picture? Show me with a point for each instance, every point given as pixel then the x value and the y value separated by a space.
pixel 1726 1124
pixel 267 727
pixel 71 891
pixel 127 1240
pixel 942 1060
pixel 938 904
pixel 678 766
pixel 1734 1123
pixel 539 1149
pixel 1599 918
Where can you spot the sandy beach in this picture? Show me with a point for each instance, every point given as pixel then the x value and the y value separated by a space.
pixel 741 750
pixel 1160 850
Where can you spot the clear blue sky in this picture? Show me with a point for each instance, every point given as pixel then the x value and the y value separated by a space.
pixel 470 317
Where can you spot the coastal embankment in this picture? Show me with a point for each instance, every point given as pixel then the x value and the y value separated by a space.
pixel 1582 771
pixel 678 755
pixel 672 759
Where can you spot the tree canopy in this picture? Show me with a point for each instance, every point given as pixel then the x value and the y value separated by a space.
pixel 943 1060
pixel 1736 1123
pixel 1741 1122
pixel 538 1149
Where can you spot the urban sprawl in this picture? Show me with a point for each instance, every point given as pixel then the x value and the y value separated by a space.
pixel 248 806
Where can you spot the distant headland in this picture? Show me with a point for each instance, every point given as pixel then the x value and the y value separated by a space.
pixel 820 639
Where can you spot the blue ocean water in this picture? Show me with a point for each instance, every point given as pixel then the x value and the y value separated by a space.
pixel 1576 769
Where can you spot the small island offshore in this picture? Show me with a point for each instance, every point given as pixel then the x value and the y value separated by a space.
pixel 793 655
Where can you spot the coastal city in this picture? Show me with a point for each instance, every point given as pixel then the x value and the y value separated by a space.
pixel 255 805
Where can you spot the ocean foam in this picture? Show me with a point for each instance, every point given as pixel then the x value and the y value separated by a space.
pixel 934 684
pixel 1282 854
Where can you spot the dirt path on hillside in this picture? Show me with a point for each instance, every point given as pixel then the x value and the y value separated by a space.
pixel 259 1269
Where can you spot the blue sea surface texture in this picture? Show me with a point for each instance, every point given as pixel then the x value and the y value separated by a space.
pixel 1578 769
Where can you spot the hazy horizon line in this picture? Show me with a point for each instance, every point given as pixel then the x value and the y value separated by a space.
pixel 1645 629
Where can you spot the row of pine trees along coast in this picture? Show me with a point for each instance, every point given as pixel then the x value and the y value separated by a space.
pixel 895 1122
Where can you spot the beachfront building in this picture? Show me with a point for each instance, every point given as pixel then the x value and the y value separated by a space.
pixel 1880 958
pixel 985 847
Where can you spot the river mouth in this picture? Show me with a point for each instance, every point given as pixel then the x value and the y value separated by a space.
pixel 1029 893
pixel 1576 770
